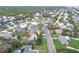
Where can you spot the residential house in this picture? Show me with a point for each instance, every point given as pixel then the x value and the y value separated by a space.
pixel 63 40
pixel 6 34
pixel 33 28
pixel 69 26
pixel 1 23
pixel 61 25
pixel 26 49
pixel 23 25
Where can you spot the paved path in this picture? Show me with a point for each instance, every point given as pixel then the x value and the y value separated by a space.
pixel 72 48
pixel 59 17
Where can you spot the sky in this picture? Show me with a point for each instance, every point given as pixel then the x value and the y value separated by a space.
pixel 39 2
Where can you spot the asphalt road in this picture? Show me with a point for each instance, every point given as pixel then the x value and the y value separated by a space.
pixel 51 47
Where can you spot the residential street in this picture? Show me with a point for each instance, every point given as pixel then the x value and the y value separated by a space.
pixel 50 44
pixel 47 29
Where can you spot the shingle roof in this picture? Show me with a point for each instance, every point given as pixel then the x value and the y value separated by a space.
pixel 33 26
pixel 25 49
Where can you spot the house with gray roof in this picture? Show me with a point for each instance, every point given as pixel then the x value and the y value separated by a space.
pixel 25 49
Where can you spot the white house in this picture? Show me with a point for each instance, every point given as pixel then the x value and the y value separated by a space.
pixel 6 34
pixel 5 18
pixel 34 23
pixel 37 14
pixel 67 37
pixel 69 26
pixel 23 25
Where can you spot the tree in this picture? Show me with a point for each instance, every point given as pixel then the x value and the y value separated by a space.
pixel 75 29
pixel 39 39
pixel 66 32
pixel 19 17
pixel 15 44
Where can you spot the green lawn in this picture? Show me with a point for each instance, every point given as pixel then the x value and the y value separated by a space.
pixel 74 43
pixel 53 34
pixel 60 49
pixel 41 48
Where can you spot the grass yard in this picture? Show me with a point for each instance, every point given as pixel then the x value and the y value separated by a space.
pixel 41 48
pixel 74 43
pixel 60 49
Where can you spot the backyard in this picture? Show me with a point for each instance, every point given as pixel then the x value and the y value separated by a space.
pixel 72 43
